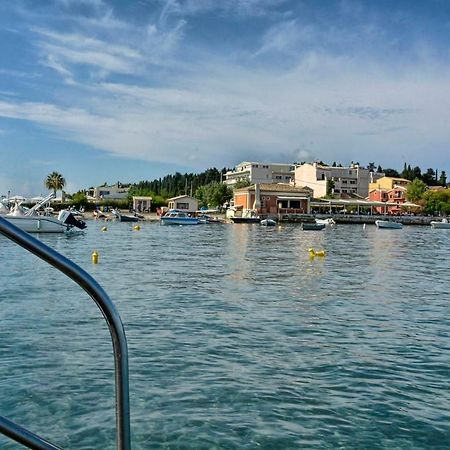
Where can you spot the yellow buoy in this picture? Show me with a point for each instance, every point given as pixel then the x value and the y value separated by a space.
pixel 137 227
pixel 313 253
pixel 104 228
pixel 94 257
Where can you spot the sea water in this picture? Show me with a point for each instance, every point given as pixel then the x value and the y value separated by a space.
pixel 237 339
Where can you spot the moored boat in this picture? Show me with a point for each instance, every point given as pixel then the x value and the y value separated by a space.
pixel 327 221
pixel 388 224
pixel 205 218
pixel 245 219
pixel 312 226
pixel 268 222
pixel 177 217
pixel 443 224
pixel 124 217
pixel 34 223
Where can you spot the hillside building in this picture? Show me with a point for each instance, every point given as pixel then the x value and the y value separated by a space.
pixel 345 180
pixel 256 172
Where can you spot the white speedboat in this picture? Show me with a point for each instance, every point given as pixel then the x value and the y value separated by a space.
pixel 327 221
pixel 177 217
pixel 388 224
pixel 268 222
pixel 443 224
pixel 31 222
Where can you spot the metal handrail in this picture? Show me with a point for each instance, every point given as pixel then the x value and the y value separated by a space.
pixel 112 317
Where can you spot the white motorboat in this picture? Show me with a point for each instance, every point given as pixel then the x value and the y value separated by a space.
pixel 388 224
pixel 327 221
pixel 31 222
pixel 443 224
pixel 268 222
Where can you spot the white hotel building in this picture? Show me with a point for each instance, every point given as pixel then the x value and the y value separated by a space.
pixel 347 180
pixel 256 172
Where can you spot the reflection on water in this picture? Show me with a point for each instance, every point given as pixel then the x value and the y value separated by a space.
pixel 237 338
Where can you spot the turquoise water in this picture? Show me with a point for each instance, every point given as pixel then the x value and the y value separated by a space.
pixel 237 339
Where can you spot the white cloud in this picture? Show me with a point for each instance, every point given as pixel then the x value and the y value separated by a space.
pixel 217 117
pixel 212 112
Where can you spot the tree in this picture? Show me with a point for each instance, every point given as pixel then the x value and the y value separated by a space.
pixel 391 173
pixel 330 187
pixel 443 179
pixel 79 199
pixel 371 167
pixel 55 181
pixel 429 177
pixel 415 190
pixel 242 183
pixel 437 201
pixel 213 194
pixel 218 194
pixel 417 173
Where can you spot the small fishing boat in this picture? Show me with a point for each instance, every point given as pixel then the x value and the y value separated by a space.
pixel 327 221
pixel 388 224
pixel 443 224
pixel 268 222
pixel 312 226
pixel 123 217
pixel 177 217
pixel 205 219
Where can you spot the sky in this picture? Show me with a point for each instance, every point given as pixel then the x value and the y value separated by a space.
pixel 130 90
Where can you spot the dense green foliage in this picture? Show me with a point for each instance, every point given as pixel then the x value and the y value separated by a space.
pixel 177 184
pixel 415 190
pixel 437 202
pixel 242 183
pixel 79 199
pixel 213 195
pixel 330 187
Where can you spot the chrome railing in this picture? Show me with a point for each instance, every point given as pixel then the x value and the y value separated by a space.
pixel 119 341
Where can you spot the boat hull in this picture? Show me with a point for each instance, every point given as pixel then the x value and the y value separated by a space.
pixel 179 221
pixel 313 226
pixel 123 218
pixel 245 219
pixel 38 224
pixel 388 224
pixel 268 222
pixel 441 225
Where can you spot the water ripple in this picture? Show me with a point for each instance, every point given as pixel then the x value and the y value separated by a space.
pixel 237 339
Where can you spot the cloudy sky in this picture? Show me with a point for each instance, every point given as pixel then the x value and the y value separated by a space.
pixel 108 90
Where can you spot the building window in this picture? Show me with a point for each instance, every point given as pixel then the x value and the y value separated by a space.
pixel 182 205
pixel 295 204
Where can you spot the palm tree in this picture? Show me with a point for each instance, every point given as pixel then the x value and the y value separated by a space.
pixel 55 181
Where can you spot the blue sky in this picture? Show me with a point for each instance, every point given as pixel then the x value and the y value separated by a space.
pixel 108 90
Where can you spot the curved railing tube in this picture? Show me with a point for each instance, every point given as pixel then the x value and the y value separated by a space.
pixel 24 437
pixel 106 306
